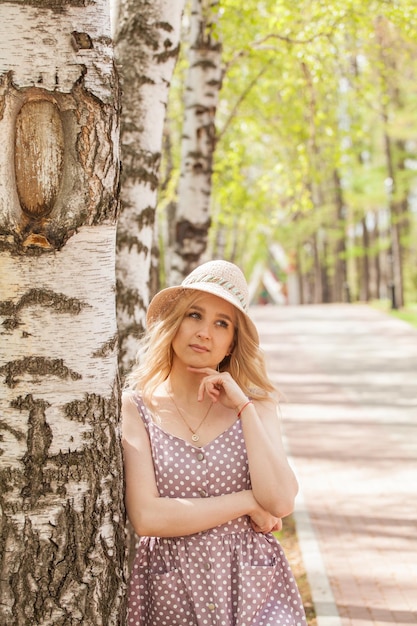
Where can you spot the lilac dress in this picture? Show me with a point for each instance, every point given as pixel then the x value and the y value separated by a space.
pixel 226 576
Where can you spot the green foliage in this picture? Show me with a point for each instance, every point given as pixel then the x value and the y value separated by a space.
pixel 311 93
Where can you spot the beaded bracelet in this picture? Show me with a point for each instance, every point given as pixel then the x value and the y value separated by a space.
pixel 244 407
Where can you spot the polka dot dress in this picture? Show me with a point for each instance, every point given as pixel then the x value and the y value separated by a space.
pixel 227 576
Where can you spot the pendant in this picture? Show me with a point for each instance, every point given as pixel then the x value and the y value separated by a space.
pixel 195 437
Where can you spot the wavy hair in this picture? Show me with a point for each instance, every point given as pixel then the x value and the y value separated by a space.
pixel 246 363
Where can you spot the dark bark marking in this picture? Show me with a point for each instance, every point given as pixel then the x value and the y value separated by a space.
pixel 56 6
pixel 39 439
pixel 91 409
pixel 130 241
pixel 75 560
pixel 129 299
pixel 135 331
pixel 36 366
pixel 146 217
pixel 188 230
pixel 81 41
pixel 39 297
pixel 205 64
pixel 164 26
pixel 168 53
pixel 141 165
pixel 106 348
pixel 16 433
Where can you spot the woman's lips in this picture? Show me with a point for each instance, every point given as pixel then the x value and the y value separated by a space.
pixel 198 348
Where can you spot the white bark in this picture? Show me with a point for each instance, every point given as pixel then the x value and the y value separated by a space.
pixel 81 276
pixel 148 35
pixel 61 483
pixel 201 95
pixel 66 370
pixel 38 47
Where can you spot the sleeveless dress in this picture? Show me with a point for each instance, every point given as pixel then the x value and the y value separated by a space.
pixel 227 576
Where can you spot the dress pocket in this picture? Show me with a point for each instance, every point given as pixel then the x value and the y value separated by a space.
pixel 253 588
pixel 169 602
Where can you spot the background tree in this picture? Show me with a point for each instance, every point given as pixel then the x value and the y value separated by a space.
pixel 147 45
pixel 201 92
pixel 300 156
pixel 61 486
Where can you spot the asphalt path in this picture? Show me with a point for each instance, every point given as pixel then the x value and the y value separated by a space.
pixel 348 376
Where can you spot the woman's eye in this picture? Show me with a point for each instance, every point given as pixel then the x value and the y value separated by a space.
pixel 223 324
pixel 194 315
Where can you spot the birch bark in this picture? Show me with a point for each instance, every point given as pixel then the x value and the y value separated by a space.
pixel 147 45
pixel 202 90
pixel 61 483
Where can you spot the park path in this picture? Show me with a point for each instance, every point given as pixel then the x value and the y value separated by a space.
pixel 349 375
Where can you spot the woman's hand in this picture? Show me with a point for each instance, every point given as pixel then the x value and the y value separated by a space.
pixel 263 522
pixel 268 529
pixel 219 387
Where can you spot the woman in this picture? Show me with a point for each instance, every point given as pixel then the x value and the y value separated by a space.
pixel 207 479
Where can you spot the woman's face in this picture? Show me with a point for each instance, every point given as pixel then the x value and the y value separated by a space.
pixel 206 333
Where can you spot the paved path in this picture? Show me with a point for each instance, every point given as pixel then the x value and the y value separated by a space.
pixel 349 374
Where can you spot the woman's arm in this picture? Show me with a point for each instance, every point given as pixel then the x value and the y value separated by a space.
pixel 273 482
pixel 152 515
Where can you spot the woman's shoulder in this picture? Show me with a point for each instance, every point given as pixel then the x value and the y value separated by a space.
pixel 133 402
pixel 129 398
pixel 134 416
pixel 128 393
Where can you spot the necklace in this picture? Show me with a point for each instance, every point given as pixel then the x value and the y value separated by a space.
pixel 193 432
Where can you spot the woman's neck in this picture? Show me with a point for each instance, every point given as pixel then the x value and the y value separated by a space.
pixel 183 384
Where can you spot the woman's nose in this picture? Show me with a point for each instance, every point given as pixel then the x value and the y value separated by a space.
pixel 203 332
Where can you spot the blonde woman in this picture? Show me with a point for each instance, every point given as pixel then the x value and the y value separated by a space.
pixel 207 478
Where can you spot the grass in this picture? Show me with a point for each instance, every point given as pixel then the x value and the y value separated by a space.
pixel 408 313
pixel 289 541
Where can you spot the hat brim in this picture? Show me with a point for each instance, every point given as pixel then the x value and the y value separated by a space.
pixel 165 299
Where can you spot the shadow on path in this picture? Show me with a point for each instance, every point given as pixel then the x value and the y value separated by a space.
pixel 349 377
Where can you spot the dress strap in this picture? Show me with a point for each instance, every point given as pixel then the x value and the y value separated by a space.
pixel 142 410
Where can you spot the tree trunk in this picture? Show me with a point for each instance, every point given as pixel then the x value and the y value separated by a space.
pixel 390 92
pixel 202 89
pixel 374 269
pixel 340 286
pixel 317 273
pixel 395 242
pixel 365 274
pixel 147 36
pixel 378 273
pixel 61 483
pixel 326 295
pixel 299 274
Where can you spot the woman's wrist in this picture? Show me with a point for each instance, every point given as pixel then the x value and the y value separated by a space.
pixel 252 504
pixel 242 406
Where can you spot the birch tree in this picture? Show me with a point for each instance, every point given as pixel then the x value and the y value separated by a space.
pixel 148 36
pixel 61 484
pixel 201 94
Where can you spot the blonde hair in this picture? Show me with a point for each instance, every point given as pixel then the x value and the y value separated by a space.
pixel 246 363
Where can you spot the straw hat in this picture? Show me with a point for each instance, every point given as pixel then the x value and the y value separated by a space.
pixel 219 278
